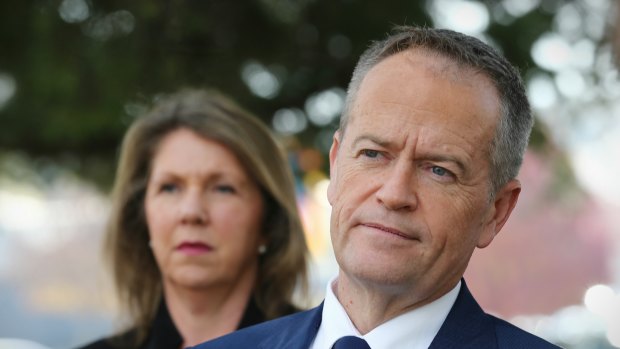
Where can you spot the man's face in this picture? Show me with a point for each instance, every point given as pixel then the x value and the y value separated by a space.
pixel 410 176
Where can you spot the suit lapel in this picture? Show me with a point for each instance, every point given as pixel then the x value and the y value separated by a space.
pixel 466 326
pixel 296 334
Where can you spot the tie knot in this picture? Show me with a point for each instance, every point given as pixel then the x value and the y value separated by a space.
pixel 351 342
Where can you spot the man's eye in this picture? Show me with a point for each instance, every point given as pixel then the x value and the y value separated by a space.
pixel 370 153
pixel 440 171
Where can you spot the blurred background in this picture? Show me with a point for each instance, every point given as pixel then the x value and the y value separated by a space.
pixel 75 73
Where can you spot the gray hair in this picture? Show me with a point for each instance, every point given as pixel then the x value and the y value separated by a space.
pixel 516 121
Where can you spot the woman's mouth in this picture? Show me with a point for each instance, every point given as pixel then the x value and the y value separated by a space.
pixel 194 248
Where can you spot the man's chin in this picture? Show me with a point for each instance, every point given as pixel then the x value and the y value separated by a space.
pixel 373 276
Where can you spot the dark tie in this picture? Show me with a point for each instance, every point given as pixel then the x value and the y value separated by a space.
pixel 351 342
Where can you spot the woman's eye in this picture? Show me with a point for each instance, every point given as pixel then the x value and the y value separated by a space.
pixel 224 188
pixel 370 153
pixel 168 188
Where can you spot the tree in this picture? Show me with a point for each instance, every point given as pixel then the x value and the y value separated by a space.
pixel 82 70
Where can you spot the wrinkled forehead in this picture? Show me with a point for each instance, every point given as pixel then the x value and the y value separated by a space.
pixel 409 96
pixel 440 66
pixel 435 65
pixel 414 76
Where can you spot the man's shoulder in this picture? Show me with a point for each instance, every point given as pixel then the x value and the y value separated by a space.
pixel 510 336
pixel 280 330
pixel 469 326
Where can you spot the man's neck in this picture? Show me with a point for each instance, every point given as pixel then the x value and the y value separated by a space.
pixel 369 306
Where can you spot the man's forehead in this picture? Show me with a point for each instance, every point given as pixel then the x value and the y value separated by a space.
pixel 425 70
pixel 439 65
pixel 422 91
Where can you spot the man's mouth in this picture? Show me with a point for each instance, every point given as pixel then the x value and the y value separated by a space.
pixel 389 230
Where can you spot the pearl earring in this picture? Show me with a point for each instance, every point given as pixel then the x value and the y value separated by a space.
pixel 262 249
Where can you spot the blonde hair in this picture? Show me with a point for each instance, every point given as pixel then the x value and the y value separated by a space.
pixel 284 265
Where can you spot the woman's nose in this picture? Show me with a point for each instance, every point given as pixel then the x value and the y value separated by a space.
pixel 193 210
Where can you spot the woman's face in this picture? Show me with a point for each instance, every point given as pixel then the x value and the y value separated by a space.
pixel 203 212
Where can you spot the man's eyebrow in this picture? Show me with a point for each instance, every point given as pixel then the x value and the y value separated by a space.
pixel 371 138
pixel 446 158
pixel 431 157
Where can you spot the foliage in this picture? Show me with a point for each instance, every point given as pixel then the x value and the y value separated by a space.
pixel 82 77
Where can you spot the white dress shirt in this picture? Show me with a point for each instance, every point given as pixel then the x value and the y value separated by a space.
pixel 414 329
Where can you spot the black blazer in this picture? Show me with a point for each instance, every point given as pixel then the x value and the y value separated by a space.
pixel 163 334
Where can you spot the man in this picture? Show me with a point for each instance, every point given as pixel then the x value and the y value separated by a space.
pixel 423 171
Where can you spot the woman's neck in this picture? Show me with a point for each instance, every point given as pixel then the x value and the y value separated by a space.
pixel 203 314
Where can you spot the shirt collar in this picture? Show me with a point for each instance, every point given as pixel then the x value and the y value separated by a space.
pixel 413 329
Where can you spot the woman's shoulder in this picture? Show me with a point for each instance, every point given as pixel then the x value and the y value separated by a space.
pixel 118 341
pixel 98 344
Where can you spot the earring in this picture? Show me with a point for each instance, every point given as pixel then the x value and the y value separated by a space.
pixel 262 249
pixel 150 244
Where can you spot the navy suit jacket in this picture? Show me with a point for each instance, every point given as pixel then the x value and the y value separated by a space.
pixel 466 326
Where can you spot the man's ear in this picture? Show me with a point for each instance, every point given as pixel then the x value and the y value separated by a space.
pixel 499 211
pixel 333 154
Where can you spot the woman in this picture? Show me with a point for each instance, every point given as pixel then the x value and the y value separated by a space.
pixel 204 236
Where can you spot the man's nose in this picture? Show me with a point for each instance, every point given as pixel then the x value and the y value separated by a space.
pixel 398 191
pixel 193 208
